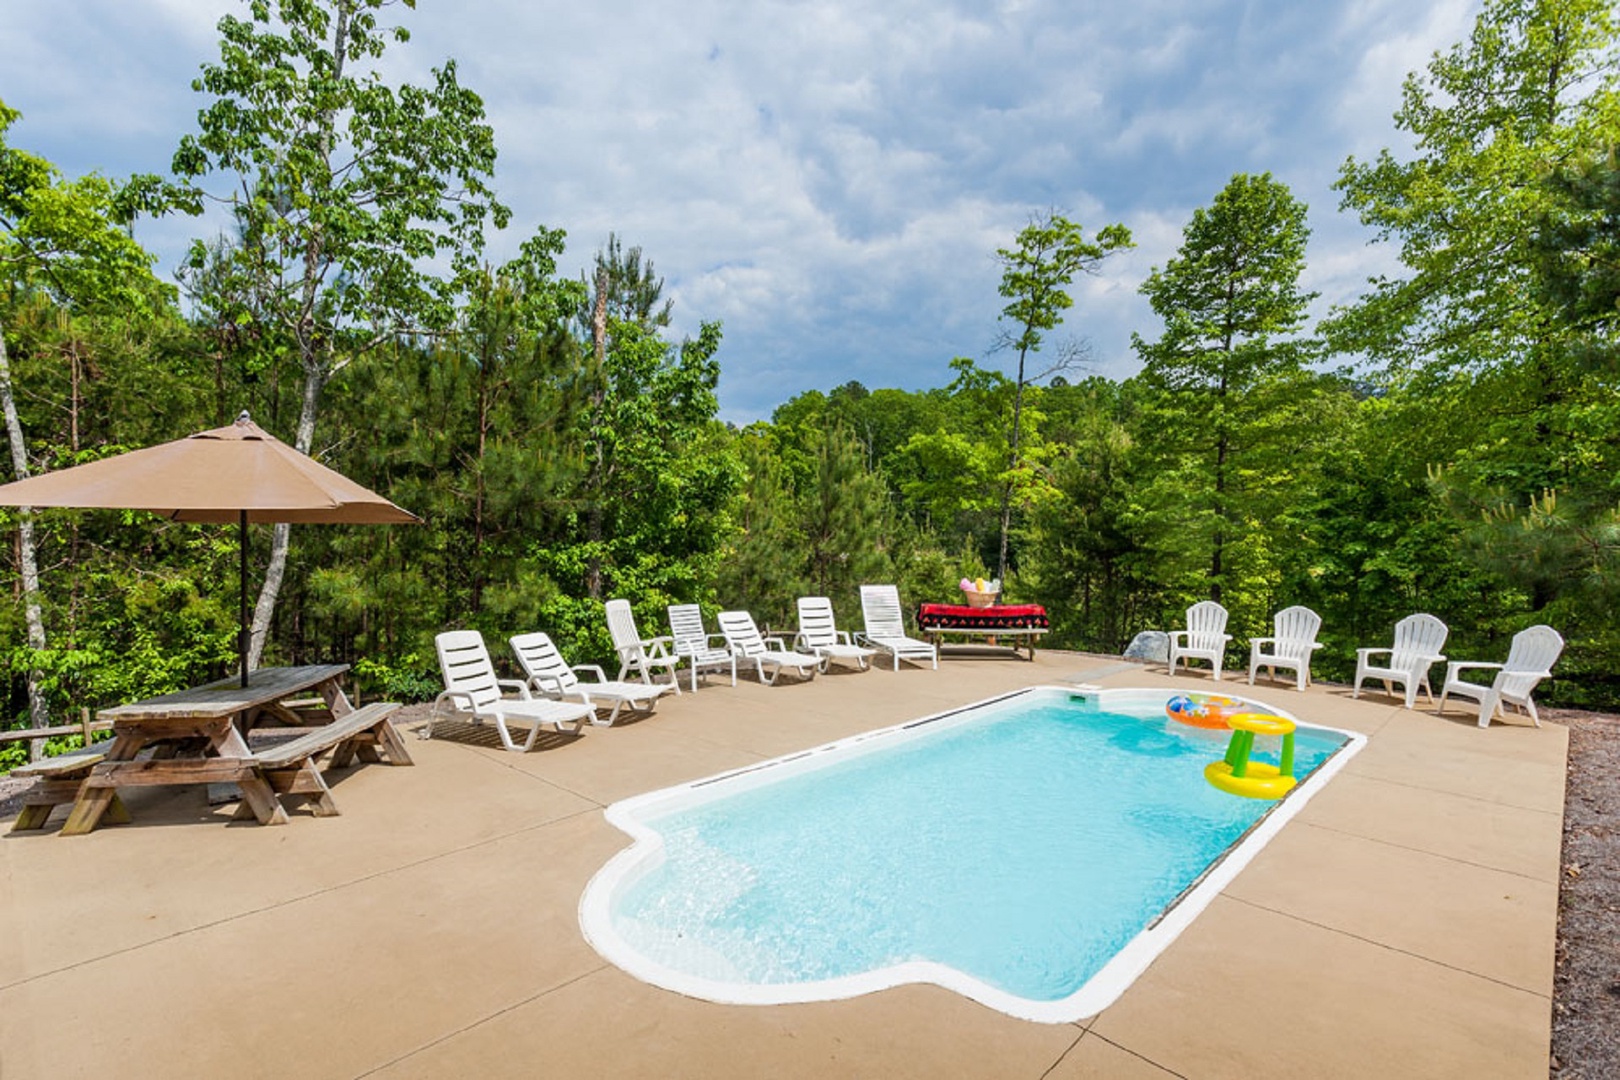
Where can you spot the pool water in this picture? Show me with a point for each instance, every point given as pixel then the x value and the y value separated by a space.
pixel 1021 845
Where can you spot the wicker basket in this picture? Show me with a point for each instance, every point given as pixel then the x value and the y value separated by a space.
pixel 975 598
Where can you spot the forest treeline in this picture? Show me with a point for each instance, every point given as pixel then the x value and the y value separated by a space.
pixel 1448 443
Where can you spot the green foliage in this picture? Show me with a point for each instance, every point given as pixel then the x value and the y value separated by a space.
pixel 1228 396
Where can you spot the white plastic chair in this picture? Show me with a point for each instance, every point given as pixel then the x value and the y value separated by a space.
pixel 695 645
pixel 819 634
pixel 471 688
pixel 743 638
pixel 1293 639
pixel 1530 659
pixel 643 654
pixel 1204 639
pixel 551 675
pixel 1418 641
pixel 886 627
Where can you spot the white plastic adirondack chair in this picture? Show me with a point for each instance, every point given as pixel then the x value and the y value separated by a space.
pixel 1530 659
pixel 1293 639
pixel 886 627
pixel 471 688
pixel 819 633
pixel 1418 641
pixel 551 675
pixel 695 645
pixel 742 637
pixel 643 654
pixel 1204 639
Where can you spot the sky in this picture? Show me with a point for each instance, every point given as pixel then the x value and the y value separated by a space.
pixel 828 179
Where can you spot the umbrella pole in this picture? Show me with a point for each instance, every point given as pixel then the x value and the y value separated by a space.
pixel 242 632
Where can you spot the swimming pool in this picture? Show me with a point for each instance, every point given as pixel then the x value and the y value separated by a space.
pixel 1033 852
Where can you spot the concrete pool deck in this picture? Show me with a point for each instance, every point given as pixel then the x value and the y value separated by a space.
pixel 1403 924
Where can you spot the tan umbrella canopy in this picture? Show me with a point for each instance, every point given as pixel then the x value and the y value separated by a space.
pixel 239 473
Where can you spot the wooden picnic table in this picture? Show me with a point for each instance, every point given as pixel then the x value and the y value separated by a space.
pixel 197 737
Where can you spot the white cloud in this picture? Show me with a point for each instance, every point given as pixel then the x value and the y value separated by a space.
pixel 829 178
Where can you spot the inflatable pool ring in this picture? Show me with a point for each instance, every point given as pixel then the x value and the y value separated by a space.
pixel 1237 775
pixel 1203 710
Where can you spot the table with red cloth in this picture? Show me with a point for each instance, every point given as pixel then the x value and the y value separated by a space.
pixel 1001 620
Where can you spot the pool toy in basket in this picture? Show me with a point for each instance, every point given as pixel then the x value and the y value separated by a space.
pixel 980 593
pixel 1237 775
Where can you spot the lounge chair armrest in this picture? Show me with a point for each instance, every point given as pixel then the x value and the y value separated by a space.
pixel 546 683
pixel 777 643
pixel 844 635
pixel 459 698
pixel 658 646
pixel 515 684
pixel 595 669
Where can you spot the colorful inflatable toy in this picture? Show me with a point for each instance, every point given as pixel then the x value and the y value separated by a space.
pixel 1237 775
pixel 1203 710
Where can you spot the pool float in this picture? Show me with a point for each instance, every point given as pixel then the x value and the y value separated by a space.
pixel 1237 775
pixel 1203 710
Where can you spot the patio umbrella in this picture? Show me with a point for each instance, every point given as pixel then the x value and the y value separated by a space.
pixel 238 473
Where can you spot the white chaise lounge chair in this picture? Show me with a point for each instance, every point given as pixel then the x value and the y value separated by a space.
pixel 1418 641
pixel 886 627
pixel 644 655
pixel 1530 659
pixel 742 637
pixel 551 675
pixel 471 689
pixel 819 634
pixel 695 645
pixel 1204 639
pixel 1293 639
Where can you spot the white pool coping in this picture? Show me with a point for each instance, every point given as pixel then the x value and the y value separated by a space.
pixel 1101 990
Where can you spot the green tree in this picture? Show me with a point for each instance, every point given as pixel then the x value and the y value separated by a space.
pixel 1035 280
pixel 844 517
pixel 68 240
pixel 1533 88
pixel 343 188
pixel 1228 373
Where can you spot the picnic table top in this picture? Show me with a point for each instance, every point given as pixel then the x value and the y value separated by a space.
pixel 227 697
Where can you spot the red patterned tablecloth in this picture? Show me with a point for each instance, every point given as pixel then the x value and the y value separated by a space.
pixel 1000 617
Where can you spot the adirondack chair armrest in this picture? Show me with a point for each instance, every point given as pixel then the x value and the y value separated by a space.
pixel 595 669
pixel 1262 641
pixel 1182 634
pixel 1315 645
pixel 1363 655
pixel 1225 638
pixel 1456 666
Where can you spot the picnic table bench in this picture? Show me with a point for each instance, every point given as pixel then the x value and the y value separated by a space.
pixel 60 780
pixel 290 767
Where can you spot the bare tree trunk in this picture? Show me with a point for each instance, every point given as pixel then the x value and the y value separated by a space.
pixel 594 481
pixel 1012 465
pixel 27 564
pixel 281 535
pixel 317 369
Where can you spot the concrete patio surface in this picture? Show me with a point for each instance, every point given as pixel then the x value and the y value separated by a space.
pixel 1402 925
